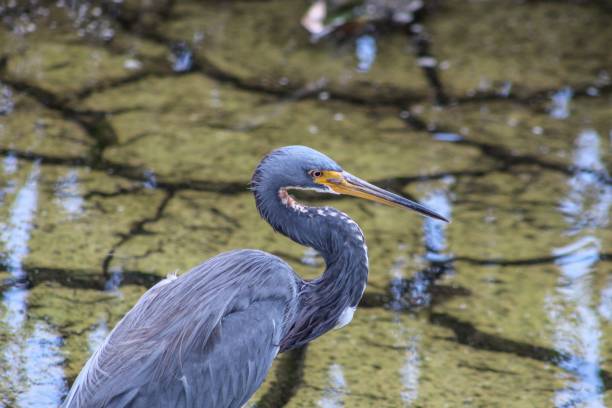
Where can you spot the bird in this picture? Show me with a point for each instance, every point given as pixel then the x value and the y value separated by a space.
pixel 208 337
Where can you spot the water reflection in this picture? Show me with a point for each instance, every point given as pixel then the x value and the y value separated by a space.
pixel 114 280
pixel 397 284
pixel 263 106
pixel 182 57
pixel 438 262
pixel 605 305
pixel 588 201
pixel 150 180
pixel 68 194
pixel 571 306
pixel 10 166
pixel 97 335
pixel 435 231
pixel 311 258
pixel 415 293
pixel 506 89
pixel 334 394
pixel 35 372
pixel 6 100
pixel 10 163
pixel 16 234
pixel 405 337
pixel 43 368
pixel 365 49
pixel 560 103
pixel 88 20
pixel 411 370
pixel 132 64
pixel 447 137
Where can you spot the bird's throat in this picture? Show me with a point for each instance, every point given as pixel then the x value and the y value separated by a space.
pixel 288 201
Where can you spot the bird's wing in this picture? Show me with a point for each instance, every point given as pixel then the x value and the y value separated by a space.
pixel 205 339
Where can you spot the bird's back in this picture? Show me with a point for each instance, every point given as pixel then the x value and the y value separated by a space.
pixel 204 339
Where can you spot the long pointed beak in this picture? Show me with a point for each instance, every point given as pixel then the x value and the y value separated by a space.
pixel 346 183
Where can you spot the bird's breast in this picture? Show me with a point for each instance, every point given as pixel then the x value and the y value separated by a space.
pixel 345 317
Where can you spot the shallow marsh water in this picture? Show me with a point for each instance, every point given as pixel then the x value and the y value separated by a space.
pixel 129 130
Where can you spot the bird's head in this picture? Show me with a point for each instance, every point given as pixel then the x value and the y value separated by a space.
pixel 300 167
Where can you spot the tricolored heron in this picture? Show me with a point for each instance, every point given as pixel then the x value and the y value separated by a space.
pixel 208 338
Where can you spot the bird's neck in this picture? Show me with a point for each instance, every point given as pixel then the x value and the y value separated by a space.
pixel 329 300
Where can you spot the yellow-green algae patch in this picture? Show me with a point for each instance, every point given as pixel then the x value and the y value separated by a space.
pixel 281 49
pixel 390 360
pixel 521 130
pixel 32 127
pixel 531 46
pixel 64 67
pixel 82 241
pixel 179 137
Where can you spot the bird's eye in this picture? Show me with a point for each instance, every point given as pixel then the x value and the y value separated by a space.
pixel 315 173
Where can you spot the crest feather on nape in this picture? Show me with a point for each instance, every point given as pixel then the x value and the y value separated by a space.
pixel 258 173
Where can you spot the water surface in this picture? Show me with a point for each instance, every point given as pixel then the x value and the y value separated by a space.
pixel 128 133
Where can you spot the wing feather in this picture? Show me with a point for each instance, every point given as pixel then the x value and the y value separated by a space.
pixel 205 339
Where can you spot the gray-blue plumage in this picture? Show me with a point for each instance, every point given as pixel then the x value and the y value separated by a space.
pixel 205 339
pixel 208 337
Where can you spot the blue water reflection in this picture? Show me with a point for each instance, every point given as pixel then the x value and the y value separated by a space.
pixel 182 57
pixel 68 194
pixel 43 368
pixel 605 305
pixel 114 280
pixel 410 372
pixel 438 261
pixel 561 99
pixel 365 49
pixel 33 354
pixel 333 396
pixel 150 181
pixel 405 337
pixel 571 307
pixel 6 100
pixel 10 163
pixel 416 292
pixel 587 204
pixel 447 137
pixel 97 335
